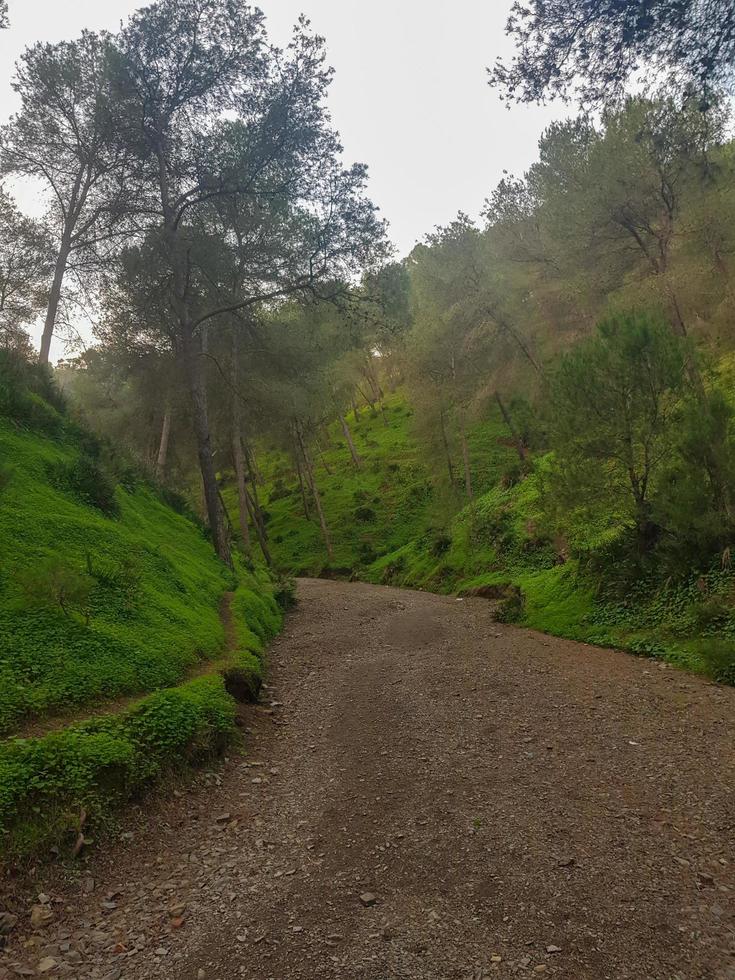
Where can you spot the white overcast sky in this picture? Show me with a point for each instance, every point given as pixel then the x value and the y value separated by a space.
pixel 410 97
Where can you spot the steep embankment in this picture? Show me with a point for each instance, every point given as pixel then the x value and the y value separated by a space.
pixel 390 525
pixel 106 592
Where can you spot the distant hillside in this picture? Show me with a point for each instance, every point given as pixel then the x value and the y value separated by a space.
pixel 371 510
pixel 391 525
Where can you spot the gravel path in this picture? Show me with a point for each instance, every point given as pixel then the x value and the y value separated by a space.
pixel 431 795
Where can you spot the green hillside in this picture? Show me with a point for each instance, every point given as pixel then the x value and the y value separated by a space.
pixel 390 524
pixel 374 510
pixel 106 592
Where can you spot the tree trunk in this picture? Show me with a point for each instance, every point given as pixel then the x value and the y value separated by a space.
pixel 323 460
pixel 348 436
pixel 200 419
pixel 520 447
pixel 253 474
pixel 54 298
pixel 355 410
pixel 302 488
pixel 259 528
pixel 447 453
pixel 163 445
pixel 237 454
pixel 242 491
pixel 466 463
pixel 309 468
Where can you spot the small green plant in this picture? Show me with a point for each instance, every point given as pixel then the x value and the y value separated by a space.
pixel 54 584
pixel 285 593
pixel 510 608
pixel 719 657
pixel 85 479
pixel 366 514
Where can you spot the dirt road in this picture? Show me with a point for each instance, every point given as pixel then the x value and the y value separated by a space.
pixel 430 796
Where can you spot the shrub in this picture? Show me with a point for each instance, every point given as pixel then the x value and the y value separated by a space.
pixel 285 593
pixel 440 543
pixel 510 608
pixel 121 579
pixel 243 683
pixel 87 481
pixel 365 514
pixel 54 584
pixel 95 766
pixel 719 657
pixel 28 395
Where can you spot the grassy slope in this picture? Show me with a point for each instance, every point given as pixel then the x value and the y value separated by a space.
pixel 390 491
pixel 498 540
pixel 156 588
pixel 50 661
pixel 372 511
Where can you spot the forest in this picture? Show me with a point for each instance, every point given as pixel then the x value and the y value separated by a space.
pixel 535 406
pixel 544 396
pixel 367 611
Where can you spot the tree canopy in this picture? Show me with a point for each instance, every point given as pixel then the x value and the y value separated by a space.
pixel 592 48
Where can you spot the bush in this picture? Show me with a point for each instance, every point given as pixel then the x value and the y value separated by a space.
pixel 510 609
pixel 719 657
pixel 121 580
pixel 28 395
pixel 285 593
pixel 365 514
pixel 55 585
pixel 86 480
pixel 46 782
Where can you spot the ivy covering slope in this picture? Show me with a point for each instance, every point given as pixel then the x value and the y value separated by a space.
pixel 498 545
pixel 105 590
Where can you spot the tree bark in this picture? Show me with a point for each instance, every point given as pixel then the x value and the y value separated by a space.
pixel 447 453
pixel 309 469
pixel 348 436
pixel 259 528
pixel 466 463
pixel 242 491
pixel 323 460
pixel 237 453
pixel 162 456
pixel 520 447
pixel 302 488
pixel 200 418
pixel 54 297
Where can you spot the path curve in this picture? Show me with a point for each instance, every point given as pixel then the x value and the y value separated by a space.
pixel 431 795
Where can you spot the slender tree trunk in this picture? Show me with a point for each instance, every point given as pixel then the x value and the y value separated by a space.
pixel 445 443
pixel 237 454
pixel 242 492
pixel 191 351
pixel 520 447
pixel 259 528
pixel 253 474
pixel 323 461
pixel 162 456
pixel 54 297
pixel 466 463
pixel 354 410
pixel 200 418
pixel 302 488
pixel 309 469
pixel 348 436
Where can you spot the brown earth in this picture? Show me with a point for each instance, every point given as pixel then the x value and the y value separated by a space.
pixel 515 805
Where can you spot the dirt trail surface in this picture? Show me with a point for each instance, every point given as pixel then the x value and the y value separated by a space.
pixel 431 795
